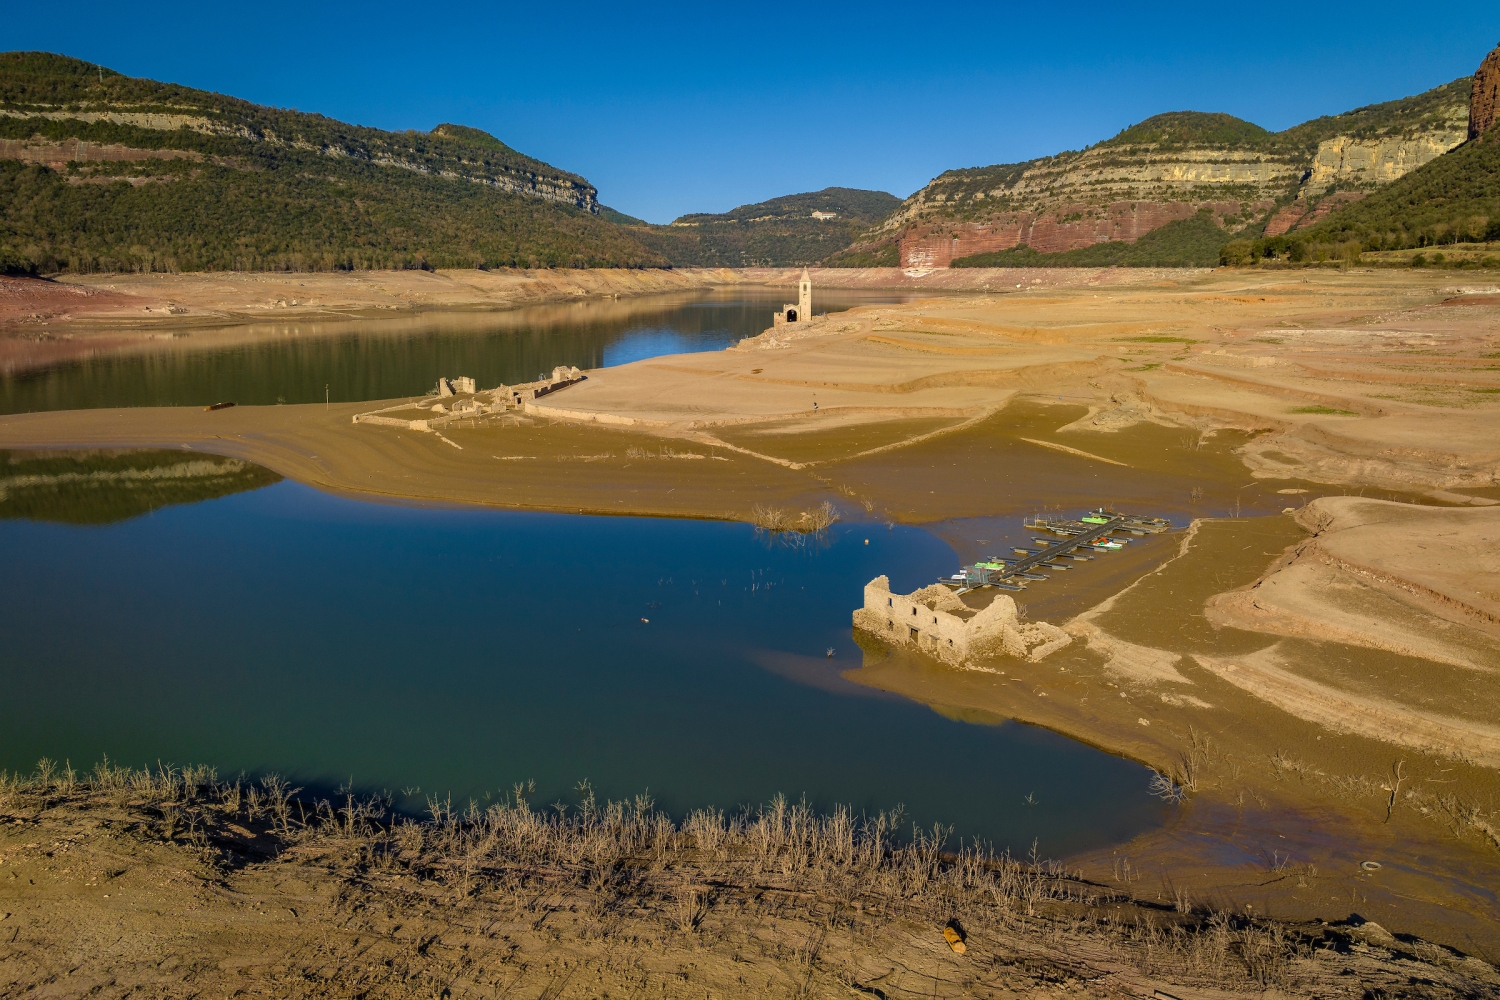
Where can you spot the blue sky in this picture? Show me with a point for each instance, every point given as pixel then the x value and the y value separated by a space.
pixel 680 108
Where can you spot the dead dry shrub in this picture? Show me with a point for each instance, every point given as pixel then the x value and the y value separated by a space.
pixel 770 518
pixel 629 856
pixel 778 519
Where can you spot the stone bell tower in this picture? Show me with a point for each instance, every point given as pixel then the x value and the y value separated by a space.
pixel 801 310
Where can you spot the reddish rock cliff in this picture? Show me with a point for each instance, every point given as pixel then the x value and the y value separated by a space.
pixel 1069 227
pixel 1297 215
pixel 1485 102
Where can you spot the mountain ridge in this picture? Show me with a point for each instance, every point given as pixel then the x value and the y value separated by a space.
pixel 777 232
pixel 108 172
pixel 1164 170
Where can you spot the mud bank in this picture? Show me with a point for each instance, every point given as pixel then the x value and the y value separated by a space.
pixel 1288 783
pixel 179 885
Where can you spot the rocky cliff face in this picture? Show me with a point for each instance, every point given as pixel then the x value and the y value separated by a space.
pixel 1347 162
pixel 1350 168
pixel 46 99
pixel 1169 168
pixel 1484 104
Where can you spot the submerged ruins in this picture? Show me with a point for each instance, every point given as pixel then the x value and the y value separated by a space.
pixel 936 619
pixel 458 398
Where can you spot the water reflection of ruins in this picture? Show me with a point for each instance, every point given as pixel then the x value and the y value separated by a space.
pixel 399 356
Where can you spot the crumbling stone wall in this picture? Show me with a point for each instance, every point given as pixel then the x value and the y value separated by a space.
pixel 933 621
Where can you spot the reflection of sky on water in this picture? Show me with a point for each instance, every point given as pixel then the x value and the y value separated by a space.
pixel 654 342
pixel 377 359
pixel 463 650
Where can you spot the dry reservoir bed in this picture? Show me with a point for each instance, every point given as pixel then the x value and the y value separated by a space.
pixel 110 876
pixel 1339 695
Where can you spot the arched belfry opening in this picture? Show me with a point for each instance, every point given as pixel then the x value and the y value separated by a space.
pixel 801 310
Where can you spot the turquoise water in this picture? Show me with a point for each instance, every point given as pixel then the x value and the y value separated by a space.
pixel 457 652
pixel 386 359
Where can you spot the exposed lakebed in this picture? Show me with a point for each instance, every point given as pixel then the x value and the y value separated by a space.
pixel 457 652
pixel 292 362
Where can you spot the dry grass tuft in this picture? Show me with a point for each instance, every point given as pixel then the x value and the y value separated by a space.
pixel 777 519
pixel 854 876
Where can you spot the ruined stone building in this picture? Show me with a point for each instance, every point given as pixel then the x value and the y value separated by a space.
pixel 801 311
pixel 935 621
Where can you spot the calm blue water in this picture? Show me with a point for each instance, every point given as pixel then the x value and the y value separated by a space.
pixel 461 651
pixel 293 362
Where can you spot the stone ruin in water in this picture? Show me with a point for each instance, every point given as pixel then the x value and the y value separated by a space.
pixel 467 400
pixel 934 621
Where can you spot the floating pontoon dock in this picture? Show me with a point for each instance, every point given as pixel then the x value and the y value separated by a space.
pixel 1091 531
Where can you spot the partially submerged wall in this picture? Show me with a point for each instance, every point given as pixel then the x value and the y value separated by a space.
pixel 934 621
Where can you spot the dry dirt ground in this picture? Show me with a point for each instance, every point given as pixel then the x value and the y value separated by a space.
pixel 1336 705
pixel 171 885
pixel 1286 798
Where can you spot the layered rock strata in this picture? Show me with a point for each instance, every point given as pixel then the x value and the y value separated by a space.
pixel 1484 102
pixel 1172 166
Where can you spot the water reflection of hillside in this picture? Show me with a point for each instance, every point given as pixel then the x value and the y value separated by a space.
pixel 266 363
pixel 100 487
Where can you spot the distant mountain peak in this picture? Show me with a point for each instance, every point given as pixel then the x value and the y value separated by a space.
pixel 477 137
pixel 1196 128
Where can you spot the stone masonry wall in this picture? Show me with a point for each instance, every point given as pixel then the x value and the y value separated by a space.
pixel 925 620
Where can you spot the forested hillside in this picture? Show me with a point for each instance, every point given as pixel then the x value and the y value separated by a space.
pixel 781 232
pixel 99 171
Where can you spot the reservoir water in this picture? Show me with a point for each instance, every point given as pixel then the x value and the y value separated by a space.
pixel 459 651
pixel 293 362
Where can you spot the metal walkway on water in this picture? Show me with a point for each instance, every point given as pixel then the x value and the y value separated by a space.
pixel 1002 573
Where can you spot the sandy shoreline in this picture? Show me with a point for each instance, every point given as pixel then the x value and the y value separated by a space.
pixel 82 304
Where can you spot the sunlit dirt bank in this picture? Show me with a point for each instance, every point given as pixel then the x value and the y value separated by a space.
pixel 171 883
pixel 1310 663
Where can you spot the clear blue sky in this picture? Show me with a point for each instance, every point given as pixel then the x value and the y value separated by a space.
pixel 671 109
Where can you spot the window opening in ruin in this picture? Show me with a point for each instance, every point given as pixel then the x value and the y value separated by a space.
pixel 913 635
pixel 914 612
pixel 791 315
